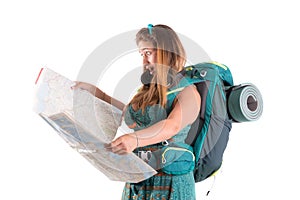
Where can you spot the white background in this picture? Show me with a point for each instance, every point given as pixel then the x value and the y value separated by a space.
pixel 258 40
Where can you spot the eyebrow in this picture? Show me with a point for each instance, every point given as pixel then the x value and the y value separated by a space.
pixel 147 49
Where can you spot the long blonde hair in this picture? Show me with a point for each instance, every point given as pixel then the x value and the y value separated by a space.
pixel 171 59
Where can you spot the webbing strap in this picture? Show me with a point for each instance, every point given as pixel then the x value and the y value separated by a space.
pixel 219 64
pixel 175 90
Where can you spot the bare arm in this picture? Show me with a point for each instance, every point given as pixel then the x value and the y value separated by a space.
pixel 185 112
pixel 99 94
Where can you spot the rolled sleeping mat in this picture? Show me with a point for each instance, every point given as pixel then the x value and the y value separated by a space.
pixel 245 103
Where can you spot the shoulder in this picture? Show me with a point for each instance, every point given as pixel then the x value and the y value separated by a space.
pixel 189 96
pixel 189 92
pixel 187 105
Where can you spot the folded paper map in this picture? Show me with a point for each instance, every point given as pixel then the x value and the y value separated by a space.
pixel 86 123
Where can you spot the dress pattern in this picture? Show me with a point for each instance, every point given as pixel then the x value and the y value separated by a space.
pixel 161 186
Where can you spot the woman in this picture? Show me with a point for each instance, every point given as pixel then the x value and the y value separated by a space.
pixel 157 119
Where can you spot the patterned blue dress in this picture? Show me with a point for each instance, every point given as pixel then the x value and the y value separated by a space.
pixel 161 186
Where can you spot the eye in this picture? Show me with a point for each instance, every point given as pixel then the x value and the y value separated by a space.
pixel 148 53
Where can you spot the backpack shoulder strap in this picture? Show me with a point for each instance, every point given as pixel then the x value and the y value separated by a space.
pixel 184 81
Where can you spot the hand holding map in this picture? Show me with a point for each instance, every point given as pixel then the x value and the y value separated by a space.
pixel 86 123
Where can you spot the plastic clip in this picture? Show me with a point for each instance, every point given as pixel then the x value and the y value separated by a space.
pixel 150 26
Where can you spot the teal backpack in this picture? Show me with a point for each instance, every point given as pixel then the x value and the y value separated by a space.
pixel 221 104
pixel 208 135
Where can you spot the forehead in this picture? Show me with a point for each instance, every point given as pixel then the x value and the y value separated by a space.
pixel 142 45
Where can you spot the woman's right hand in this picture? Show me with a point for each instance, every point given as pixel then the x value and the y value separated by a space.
pixel 85 86
pixel 98 93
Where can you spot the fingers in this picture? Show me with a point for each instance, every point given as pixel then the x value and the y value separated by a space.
pixel 114 144
pixel 75 85
pixel 117 149
pixel 83 85
pixel 122 145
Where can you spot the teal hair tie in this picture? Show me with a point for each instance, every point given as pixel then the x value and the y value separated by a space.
pixel 150 26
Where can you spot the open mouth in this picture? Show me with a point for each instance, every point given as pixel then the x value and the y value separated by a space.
pixel 146 77
pixel 150 68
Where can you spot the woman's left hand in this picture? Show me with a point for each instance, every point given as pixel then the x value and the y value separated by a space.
pixel 123 145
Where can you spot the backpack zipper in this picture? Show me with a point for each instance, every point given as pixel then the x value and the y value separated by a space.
pixel 163 159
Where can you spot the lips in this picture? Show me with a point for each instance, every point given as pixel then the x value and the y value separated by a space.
pixel 146 77
pixel 150 68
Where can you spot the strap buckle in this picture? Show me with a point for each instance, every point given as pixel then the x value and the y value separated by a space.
pixel 145 155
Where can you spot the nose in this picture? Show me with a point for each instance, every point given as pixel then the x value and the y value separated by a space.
pixel 145 60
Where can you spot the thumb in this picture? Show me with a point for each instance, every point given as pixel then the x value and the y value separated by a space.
pixel 114 143
pixel 74 85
